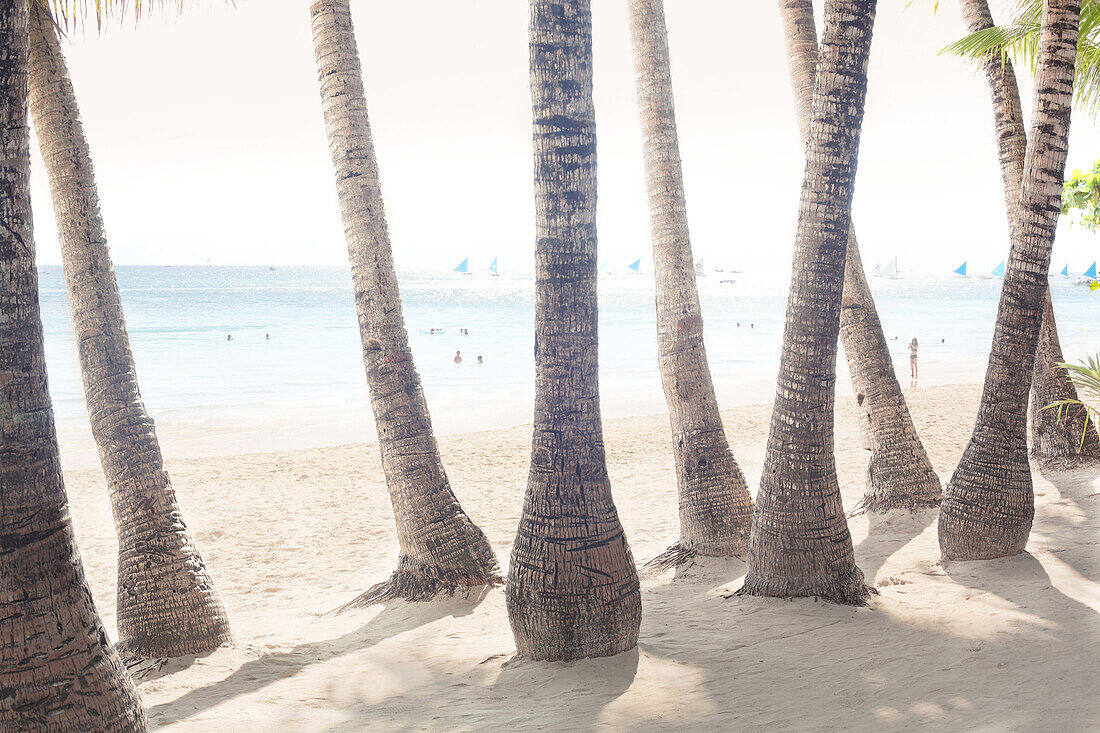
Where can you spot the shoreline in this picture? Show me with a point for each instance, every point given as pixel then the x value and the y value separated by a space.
pixel 202 432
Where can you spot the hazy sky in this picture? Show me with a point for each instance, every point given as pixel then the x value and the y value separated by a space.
pixel 207 135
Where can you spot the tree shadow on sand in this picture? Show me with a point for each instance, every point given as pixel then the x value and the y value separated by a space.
pixel 396 617
pixel 888 533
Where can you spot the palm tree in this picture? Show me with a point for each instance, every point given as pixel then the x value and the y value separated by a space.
pixel 715 506
pixel 572 587
pixel 800 544
pixel 57 668
pixel 988 507
pixel 167 603
pixel 899 475
pixel 1053 441
pixel 441 549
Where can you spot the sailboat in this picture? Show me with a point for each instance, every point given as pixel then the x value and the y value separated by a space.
pixel 699 269
pixel 999 270
pixel 493 268
pixel 605 266
pixel 464 266
pixel 878 269
pixel 1089 276
pixel 636 265
pixel 1065 270
pixel 891 269
pixel 961 270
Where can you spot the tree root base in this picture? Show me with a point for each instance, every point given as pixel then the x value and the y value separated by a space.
pixel 417 586
pixel 674 557
pixel 877 504
pixel 848 592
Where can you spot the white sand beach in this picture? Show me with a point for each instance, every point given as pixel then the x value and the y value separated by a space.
pixel 1006 645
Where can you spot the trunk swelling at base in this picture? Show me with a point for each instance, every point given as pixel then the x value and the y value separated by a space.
pixel 989 506
pixel 167 603
pixel 57 669
pixel 1057 442
pixel 800 544
pixel 441 549
pixel 899 475
pixel 572 586
pixel 1052 441
pixel 715 506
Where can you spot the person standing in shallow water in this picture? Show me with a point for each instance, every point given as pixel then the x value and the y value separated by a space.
pixel 458 357
pixel 913 358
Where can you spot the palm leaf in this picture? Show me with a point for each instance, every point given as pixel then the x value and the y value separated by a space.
pixel 1019 40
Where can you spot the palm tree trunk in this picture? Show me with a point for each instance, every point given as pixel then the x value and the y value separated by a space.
pixel 572 586
pixel 988 507
pixel 167 603
pixel 441 549
pixel 899 475
pixel 715 506
pixel 58 672
pixel 800 544
pixel 1053 441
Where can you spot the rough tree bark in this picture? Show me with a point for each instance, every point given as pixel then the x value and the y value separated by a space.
pixel 899 475
pixel 58 671
pixel 572 586
pixel 800 544
pixel 167 603
pixel 441 549
pixel 1053 441
pixel 988 507
pixel 715 506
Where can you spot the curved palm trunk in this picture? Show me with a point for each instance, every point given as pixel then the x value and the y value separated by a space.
pixel 167 603
pixel 900 475
pixel 800 544
pixel 715 506
pixel 441 549
pixel 988 507
pixel 57 669
pixel 572 586
pixel 1053 441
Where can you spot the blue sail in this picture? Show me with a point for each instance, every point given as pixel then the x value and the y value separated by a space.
pixel 999 270
pixel 637 264
pixel 961 269
pixel 1065 270
pixel 463 266
pixel 493 267
pixel 1091 272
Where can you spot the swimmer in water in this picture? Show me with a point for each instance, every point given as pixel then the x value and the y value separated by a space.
pixel 479 359
pixel 458 357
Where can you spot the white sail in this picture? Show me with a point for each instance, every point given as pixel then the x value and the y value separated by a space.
pixel 699 268
pixel 878 269
pixel 891 269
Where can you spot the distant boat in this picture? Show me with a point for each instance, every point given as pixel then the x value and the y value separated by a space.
pixel 636 265
pixel 605 266
pixel 464 266
pixel 1091 272
pixel 493 267
pixel 891 269
pixel 699 268
pixel 878 269
pixel 961 270
pixel 999 270
pixel 1065 270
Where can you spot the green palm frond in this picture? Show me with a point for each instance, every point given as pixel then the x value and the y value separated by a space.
pixel 1019 40
pixel 1086 377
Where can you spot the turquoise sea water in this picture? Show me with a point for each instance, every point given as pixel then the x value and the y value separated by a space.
pixel 308 376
